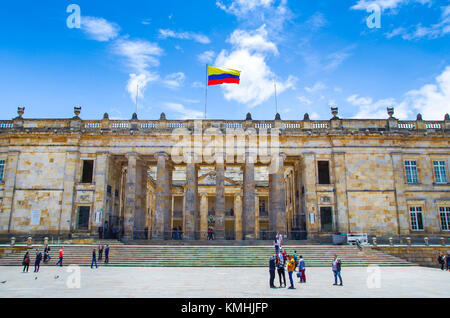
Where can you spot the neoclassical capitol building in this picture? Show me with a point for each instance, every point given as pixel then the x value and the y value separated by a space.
pixel 244 180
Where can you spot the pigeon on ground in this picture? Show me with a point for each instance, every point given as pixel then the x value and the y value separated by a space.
pixel 3 282
pixel 56 277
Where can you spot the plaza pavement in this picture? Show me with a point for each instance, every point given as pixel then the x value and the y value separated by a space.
pixel 220 283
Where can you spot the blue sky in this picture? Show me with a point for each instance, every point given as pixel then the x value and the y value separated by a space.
pixel 320 53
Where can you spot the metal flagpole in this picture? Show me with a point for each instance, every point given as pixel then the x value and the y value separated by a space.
pixel 206 90
pixel 276 99
pixel 137 95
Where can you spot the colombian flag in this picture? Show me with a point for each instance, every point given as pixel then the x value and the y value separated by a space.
pixel 217 76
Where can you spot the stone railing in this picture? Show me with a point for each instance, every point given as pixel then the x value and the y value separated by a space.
pixel 368 125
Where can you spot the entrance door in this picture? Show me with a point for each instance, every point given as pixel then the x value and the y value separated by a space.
pixel 326 219
pixel 83 217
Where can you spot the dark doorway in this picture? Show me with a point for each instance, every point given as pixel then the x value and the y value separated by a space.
pixel 83 217
pixel 326 220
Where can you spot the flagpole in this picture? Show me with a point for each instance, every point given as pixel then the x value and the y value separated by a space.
pixel 206 90
pixel 276 98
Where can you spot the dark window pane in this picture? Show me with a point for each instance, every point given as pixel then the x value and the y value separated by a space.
pixel 324 172
pixel 88 171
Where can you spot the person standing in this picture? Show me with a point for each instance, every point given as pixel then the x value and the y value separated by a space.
pixel 336 266
pixel 447 259
pixel 107 254
pixel 26 261
pixel 295 259
pixel 302 269
pixel 280 240
pixel 37 261
pixel 280 270
pixel 100 232
pixel 277 245
pixel 94 259
pixel 100 252
pixel 441 260
pixel 61 256
pixel 272 266
pixel 291 268
pixel 46 253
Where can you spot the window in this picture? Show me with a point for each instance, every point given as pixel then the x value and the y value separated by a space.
pixel 445 218
pixel 439 172
pixel 416 218
pixel 88 171
pixel 324 172
pixel 2 169
pixel 411 172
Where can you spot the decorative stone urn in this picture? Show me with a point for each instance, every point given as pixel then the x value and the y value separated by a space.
pixel 443 241
pixel 13 241
pixel 427 241
pixel 374 241
pixel 391 241
pixel 408 241
pixel 45 240
pixel 29 241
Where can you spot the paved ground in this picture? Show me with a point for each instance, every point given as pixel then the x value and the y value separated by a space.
pixel 220 282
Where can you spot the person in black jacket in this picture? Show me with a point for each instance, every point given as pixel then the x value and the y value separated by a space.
pixel 447 259
pixel 272 266
pixel 280 270
pixel 46 253
pixel 441 260
pixel 26 261
pixel 336 267
pixel 107 254
pixel 37 262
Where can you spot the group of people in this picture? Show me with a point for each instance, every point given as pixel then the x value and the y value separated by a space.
pixel 101 249
pixel 281 259
pixel 177 233
pixel 27 258
pixel 444 261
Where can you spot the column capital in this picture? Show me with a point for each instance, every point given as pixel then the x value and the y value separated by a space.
pixel 203 194
pixel 131 154
pixel 161 154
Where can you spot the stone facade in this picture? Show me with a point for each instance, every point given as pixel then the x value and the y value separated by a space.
pixel 70 176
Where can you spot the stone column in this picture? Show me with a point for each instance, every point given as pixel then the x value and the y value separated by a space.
pixel 8 193
pixel 140 199
pixel 70 172
pixel 161 227
pixel 257 217
pixel 340 173
pixel 190 201
pixel 277 194
pixel 238 216
pixel 249 199
pixel 130 196
pixel 398 169
pixel 100 179
pixel 309 182
pixel 220 201
pixel 204 216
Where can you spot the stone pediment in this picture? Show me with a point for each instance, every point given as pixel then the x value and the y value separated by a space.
pixel 209 179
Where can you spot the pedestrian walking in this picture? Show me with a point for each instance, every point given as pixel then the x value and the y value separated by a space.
pixel 447 259
pixel 100 252
pixel 46 254
pixel 26 261
pixel 61 256
pixel 302 270
pixel 280 270
pixel 441 260
pixel 336 266
pixel 37 262
pixel 272 267
pixel 291 268
pixel 94 259
pixel 107 254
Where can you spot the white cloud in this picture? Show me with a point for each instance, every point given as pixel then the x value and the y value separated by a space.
pixel 198 84
pixel 317 21
pixel 434 31
pixel 242 7
pixel 431 100
pixel 140 56
pixel 174 80
pixel 249 54
pixel 385 4
pixel 206 57
pixel 99 29
pixel 304 100
pixel 184 113
pixel 318 86
pixel 197 37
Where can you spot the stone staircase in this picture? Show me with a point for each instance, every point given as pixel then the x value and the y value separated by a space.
pixel 211 256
